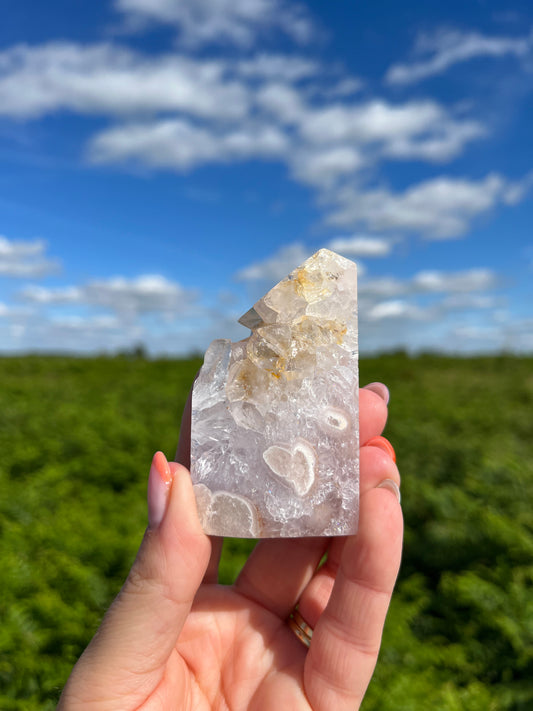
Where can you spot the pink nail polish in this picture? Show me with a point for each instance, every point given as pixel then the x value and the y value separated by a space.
pixel 379 389
pixel 159 483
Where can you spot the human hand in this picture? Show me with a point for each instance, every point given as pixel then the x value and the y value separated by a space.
pixel 175 639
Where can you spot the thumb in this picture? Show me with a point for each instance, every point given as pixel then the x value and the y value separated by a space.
pixel 143 624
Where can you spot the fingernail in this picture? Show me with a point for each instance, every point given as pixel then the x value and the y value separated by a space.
pixel 379 389
pixel 391 486
pixel 159 483
pixel 383 444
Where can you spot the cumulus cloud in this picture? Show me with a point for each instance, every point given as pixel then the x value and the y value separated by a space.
pixel 412 130
pixel 284 67
pixel 4 310
pixel 440 208
pixel 283 101
pixel 465 281
pixel 374 291
pixel 188 108
pixel 334 140
pixel 395 309
pixel 470 301
pixel 344 87
pixel 440 144
pixel 43 296
pixel 112 80
pixel 176 143
pixel 194 107
pixel 447 47
pixel 25 259
pixel 178 112
pixel 362 246
pixel 424 310
pixel 277 266
pixel 323 167
pixel 517 190
pixel 76 334
pixel 236 22
pixel 145 294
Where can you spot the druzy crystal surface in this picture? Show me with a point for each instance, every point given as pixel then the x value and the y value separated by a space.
pixel 274 438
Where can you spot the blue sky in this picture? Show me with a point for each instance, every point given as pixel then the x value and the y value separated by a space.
pixel 164 162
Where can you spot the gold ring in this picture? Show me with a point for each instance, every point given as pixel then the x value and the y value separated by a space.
pixel 300 628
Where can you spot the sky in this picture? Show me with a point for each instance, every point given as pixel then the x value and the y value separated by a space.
pixel 164 162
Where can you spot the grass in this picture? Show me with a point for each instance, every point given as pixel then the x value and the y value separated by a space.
pixel 77 436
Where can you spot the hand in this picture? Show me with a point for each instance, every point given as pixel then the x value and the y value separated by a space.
pixel 174 639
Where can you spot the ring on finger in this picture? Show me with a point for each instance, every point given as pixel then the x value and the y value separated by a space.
pixel 301 629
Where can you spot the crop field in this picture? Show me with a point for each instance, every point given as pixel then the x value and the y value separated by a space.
pixel 76 440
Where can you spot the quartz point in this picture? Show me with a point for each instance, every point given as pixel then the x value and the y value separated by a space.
pixel 275 417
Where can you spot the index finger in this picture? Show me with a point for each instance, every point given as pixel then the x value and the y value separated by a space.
pixel 183 456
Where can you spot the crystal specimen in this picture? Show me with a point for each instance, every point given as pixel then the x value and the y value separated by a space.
pixel 275 426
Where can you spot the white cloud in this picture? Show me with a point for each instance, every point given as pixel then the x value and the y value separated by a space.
pixel 107 79
pixel 43 296
pixel 25 258
pixel 282 101
pixel 382 288
pixel 179 144
pixel 425 310
pixel 465 281
pixel 439 208
pixel 179 112
pixel 78 324
pixel 282 67
pixel 145 294
pixel 442 143
pixel 331 142
pixel 469 301
pixel 376 120
pixel 449 47
pixel 413 130
pixel 344 87
pixel 517 190
pixel 464 286
pixel 274 268
pixel 324 167
pixel 389 297
pixel 76 334
pixel 361 246
pixel 221 21
pixel 395 309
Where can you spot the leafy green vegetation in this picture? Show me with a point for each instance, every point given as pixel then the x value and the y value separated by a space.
pixel 77 436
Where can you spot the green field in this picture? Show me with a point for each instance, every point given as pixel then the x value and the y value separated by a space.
pixel 77 436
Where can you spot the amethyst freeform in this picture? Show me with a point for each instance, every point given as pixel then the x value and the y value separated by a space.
pixel 275 417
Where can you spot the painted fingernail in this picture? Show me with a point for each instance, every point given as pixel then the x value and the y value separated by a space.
pixel 379 389
pixel 159 483
pixel 383 444
pixel 391 486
